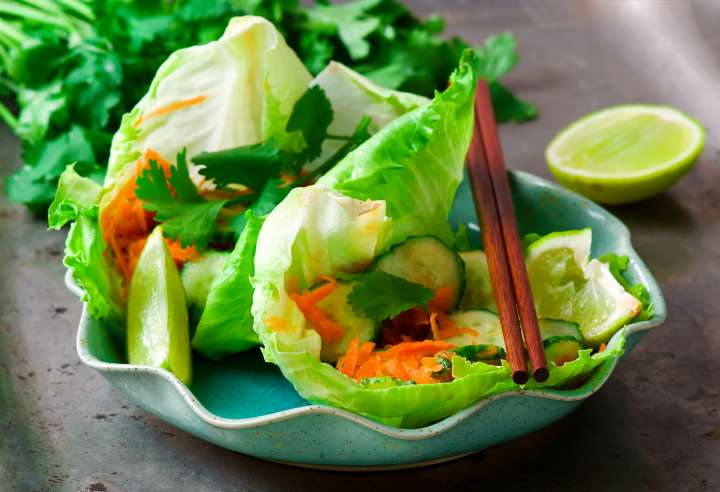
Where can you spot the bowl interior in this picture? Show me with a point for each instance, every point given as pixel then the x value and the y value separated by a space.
pixel 244 386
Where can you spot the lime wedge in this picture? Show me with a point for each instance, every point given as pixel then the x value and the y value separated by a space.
pixel 157 321
pixel 625 153
pixel 568 285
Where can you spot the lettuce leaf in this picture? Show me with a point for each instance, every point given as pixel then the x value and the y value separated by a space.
pixel 416 162
pixel 92 271
pixel 225 325
pixel 76 200
pixel 75 196
pixel 243 86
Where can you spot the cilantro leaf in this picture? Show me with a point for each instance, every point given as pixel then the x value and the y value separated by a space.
pixel 185 215
pixel 351 21
pixel 497 56
pixel 508 107
pixel 40 108
pixel 617 265
pixel 272 194
pixel 312 116
pixel 379 295
pixel 250 165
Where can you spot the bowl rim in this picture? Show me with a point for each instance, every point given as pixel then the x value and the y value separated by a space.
pixel 588 388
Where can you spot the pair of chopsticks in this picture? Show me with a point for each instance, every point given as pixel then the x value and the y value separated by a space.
pixel 493 203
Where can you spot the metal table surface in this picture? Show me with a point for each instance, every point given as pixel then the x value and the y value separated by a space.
pixel 655 426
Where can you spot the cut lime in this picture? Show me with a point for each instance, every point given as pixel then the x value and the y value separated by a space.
pixel 625 153
pixel 157 321
pixel 568 285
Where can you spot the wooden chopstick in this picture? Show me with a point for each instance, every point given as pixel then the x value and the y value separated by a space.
pixel 484 197
pixel 493 201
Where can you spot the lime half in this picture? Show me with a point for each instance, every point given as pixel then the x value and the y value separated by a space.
pixel 625 153
pixel 568 285
pixel 157 321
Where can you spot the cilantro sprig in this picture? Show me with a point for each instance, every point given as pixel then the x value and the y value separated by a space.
pixel 185 214
pixel 380 296
pixel 193 220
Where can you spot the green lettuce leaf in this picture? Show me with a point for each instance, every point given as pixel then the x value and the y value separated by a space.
pixel 416 162
pixel 75 196
pixel 225 326
pixel 352 96
pixel 92 271
pixel 245 85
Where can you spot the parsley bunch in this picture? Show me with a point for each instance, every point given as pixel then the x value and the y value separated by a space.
pixel 71 68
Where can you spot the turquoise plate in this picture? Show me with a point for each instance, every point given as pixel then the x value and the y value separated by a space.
pixel 243 404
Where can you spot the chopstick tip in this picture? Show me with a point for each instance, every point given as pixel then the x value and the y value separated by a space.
pixel 541 374
pixel 520 377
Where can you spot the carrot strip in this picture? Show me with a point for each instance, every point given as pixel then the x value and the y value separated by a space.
pixel 442 301
pixel 173 106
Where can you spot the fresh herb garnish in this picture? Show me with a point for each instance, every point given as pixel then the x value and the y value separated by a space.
pixel 186 216
pixel 379 295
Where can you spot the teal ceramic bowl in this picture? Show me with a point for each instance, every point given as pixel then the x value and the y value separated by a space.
pixel 243 404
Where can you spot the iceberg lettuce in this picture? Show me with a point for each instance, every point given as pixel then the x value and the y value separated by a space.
pixel 399 183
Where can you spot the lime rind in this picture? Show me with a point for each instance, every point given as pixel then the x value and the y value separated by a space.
pixel 579 241
pixel 660 169
pixel 584 292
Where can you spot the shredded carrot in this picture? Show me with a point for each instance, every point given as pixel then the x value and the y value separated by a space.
pixel 126 224
pixel 328 329
pixel 406 361
pixel 434 326
pixel 602 347
pixel 442 301
pixel 173 106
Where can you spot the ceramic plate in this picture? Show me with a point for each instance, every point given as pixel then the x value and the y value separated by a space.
pixel 244 404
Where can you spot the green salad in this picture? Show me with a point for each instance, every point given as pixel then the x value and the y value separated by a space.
pixel 247 203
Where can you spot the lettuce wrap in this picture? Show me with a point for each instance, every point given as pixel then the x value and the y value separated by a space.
pixel 397 185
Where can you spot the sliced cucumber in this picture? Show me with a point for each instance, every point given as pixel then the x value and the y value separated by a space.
pixel 561 349
pixel 197 277
pixel 478 327
pixel 426 260
pixel 478 292
pixel 475 353
pixel 550 328
pixel 337 307
pixel 561 339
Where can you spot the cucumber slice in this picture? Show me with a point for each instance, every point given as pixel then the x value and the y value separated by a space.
pixel 475 353
pixel 427 261
pixel 337 307
pixel 561 339
pixel 478 288
pixel 561 349
pixel 484 324
pixel 198 275
pixel 550 328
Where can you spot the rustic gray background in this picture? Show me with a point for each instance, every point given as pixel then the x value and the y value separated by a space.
pixel 655 426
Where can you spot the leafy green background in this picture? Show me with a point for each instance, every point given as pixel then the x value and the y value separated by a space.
pixel 73 67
